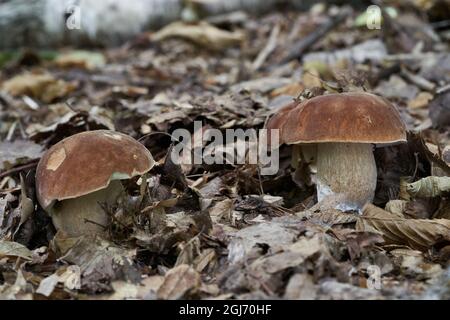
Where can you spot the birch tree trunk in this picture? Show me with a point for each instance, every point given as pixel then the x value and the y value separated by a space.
pixel 48 23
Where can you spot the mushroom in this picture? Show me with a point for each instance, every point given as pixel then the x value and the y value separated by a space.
pixel 337 134
pixel 76 175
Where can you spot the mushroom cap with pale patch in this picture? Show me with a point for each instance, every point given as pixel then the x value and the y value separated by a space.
pixel 86 162
pixel 343 117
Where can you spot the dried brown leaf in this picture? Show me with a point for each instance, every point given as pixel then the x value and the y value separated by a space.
pixel 11 153
pixel 328 216
pixel 429 187
pixel 420 234
pixel 99 260
pixel 80 59
pixel 41 86
pixel 179 282
pixel 14 249
pixel 202 34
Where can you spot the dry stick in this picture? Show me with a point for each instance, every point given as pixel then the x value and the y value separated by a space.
pixel 17 169
pixel 268 49
pixel 95 223
pixel 5 191
pixel 443 89
pixel 306 42
pixel 419 81
pixel 409 56
pixel 416 156
pixel 261 189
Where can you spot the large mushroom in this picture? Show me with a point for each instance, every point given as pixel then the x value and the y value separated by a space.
pixel 83 171
pixel 337 134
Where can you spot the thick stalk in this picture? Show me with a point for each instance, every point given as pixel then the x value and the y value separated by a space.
pixel 84 215
pixel 346 174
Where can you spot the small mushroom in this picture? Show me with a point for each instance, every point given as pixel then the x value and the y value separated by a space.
pixel 336 133
pixel 76 175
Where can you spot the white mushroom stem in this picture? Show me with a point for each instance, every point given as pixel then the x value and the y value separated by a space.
pixel 84 215
pixel 346 174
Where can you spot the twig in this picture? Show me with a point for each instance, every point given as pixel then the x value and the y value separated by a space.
pixel 409 56
pixel 19 168
pixel 261 188
pixel 96 223
pixel 419 81
pixel 315 36
pixel 440 24
pixel 268 49
pixel 5 191
pixel 443 89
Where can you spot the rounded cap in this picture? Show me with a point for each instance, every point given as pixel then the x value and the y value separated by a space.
pixel 344 117
pixel 277 120
pixel 87 162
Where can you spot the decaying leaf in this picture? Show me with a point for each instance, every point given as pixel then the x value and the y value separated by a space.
pixel 396 87
pixel 19 290
pixel 69 276
pixel 396 207
pixel 429 187
pixel 179 282
pixel 123 290
pixel 202 34
pixel 265 272
pixel 420 234
pixel 421 101
pixel 13 153
pixel 99 260
pixel 221 210
pixel 26 205
pixel 327 216
pixel 8 217
pixel 47 285
pixel 14 249
pixel 80 59
pixel 412 263
pixel 41 86
pixel 301 287
pixel 276 234
pixel 359 243
pixel 334 290
pixel 149 286
pixel 3 204
pixel 188 251
pixel 205 259
pixel 439 108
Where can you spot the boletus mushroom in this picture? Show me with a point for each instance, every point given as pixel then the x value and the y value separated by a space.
pixel 336 134
pixel 78 174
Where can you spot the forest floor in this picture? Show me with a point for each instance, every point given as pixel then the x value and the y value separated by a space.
pixel 225 231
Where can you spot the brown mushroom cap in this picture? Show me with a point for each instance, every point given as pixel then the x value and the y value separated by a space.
pixel 343 117
pixel 87 162
pixel 277 120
